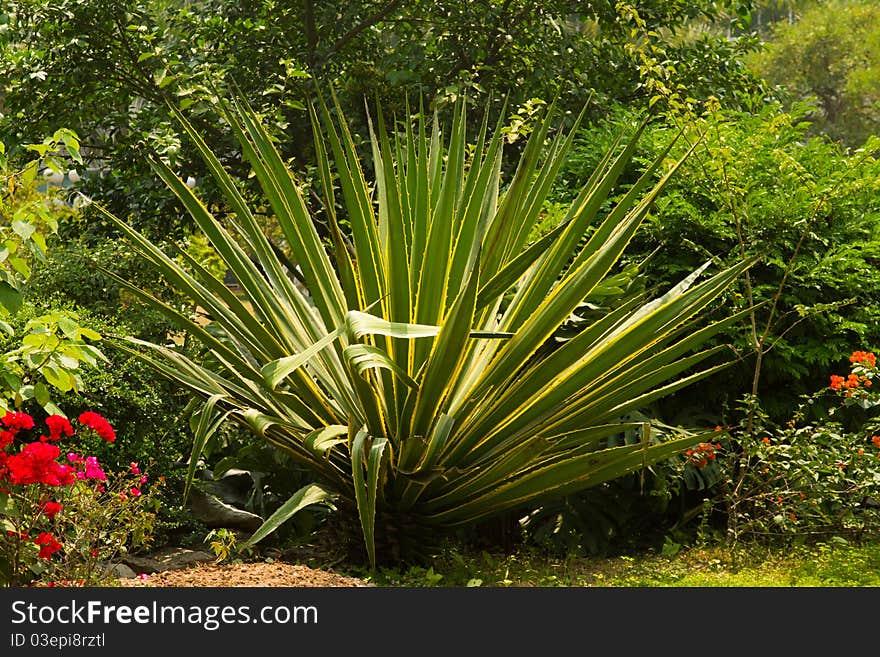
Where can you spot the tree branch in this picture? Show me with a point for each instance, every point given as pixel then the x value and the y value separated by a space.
pixel 311 33
pixel 390 6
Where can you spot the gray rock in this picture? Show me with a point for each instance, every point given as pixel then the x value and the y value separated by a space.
pixel 120 571
pixel 233 487
pixel 214 513
pixel 146 565
pixel 170 558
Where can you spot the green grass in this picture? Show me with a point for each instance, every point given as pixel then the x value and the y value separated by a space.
pixel 834 564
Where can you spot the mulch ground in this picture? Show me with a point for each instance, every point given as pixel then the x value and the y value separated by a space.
pixel 259 574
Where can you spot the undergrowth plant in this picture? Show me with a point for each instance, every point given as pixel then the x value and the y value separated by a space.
pixel 813 478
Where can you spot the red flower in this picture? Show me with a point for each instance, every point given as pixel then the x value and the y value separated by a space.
pixel 36 464
pixel 15 422
pixel 100 425
pixel 703 453
pixel 58 425
pixel 50 509
pixel 48 545
pixel 6 438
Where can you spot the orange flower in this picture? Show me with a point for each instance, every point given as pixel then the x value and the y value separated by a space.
pixel 875 440
pixel 836 382
pixel 864 357
pixel 765 440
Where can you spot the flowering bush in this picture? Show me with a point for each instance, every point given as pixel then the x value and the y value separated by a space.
pixel 817 475
pixel 64 516
pixel 856 388
pixel 701 455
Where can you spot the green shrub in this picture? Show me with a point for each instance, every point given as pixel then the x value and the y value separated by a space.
pixel 70 278
pixel 807 207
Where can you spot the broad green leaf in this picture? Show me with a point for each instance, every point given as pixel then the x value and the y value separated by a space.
pixel 10 298
pixel 207 420
pixel 304 497
pixel 321 441
pixel 7 506
pixel 365 475
pixel 41 394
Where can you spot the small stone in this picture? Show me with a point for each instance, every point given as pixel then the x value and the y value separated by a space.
pixel 121 571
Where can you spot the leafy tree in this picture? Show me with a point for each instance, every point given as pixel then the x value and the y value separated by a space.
pixel 107 66
pixel 831 55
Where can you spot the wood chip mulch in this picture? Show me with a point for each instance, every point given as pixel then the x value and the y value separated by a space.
pixel 258 574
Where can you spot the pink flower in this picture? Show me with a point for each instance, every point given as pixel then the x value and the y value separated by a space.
pixel 134 468
pixel 143 576
pixel 93 470
pixel 135 492
pixel 73 457
pixel 144 479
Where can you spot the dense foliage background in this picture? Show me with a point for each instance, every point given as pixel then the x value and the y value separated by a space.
pixel 783 98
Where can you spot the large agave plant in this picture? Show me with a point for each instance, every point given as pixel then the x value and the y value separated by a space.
pixel 408 371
